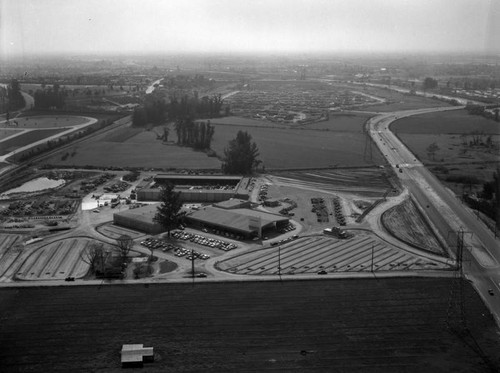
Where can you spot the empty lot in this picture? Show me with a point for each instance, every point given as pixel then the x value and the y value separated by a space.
pixel 385 325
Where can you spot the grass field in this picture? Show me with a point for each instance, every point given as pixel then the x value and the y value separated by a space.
pixel 26 138
pixel 405 222
pixel 445 122
pixel 369 325
pixel 398 101
pixel 7 132
pixel 300 148
pixel 280 147
pixel 40 122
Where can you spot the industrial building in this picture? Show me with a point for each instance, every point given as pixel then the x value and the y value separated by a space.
pixel 238 221
pixel 196 188
pixel 140 219
pixel 234 216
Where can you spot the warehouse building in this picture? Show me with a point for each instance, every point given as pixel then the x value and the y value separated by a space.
pixel 238 221
pixel 140 219
pixel 196 188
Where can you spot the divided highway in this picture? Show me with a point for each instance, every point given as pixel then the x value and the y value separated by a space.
pixel 445 212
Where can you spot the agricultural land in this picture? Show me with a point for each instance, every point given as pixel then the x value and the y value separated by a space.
pixel 364 325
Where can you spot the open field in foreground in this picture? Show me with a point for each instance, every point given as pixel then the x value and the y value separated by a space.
pixel 369 325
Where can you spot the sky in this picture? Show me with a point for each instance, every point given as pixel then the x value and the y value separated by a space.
pixel 176 26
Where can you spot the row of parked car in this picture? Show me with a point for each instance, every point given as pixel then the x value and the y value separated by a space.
pixel 205 241
pixel 152 243
pixel 190 254
pixel 263 192
pixel 339 215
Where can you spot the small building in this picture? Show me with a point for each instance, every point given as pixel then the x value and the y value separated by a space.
pixel 135 355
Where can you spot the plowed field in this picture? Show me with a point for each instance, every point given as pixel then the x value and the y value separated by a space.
pixel 383 326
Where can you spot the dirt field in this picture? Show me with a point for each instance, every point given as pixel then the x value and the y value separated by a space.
pixel 405 222
pixel 312 254
pixel 370 325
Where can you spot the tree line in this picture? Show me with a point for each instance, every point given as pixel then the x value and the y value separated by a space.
pixel 50 98
pixel 11 97
pixel 195 134
pixel 156 111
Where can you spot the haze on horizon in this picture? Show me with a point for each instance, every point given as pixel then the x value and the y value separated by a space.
pixel 30 27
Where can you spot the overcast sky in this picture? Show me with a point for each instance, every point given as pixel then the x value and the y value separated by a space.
pixel 166 26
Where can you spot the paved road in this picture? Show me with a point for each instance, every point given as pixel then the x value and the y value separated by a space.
pixel 444 210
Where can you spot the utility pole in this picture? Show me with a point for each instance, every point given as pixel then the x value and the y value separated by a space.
pixel 373 252
pixel 192 263
pixel 279 261
pixel 456 302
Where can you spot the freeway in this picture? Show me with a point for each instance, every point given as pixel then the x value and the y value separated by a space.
pixel 445 212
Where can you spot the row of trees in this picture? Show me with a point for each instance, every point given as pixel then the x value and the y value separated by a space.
pixel 50 98
pixel 156 111
pixel 11 97
pixel 195 134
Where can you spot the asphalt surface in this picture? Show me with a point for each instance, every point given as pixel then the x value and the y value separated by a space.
pixel 446 213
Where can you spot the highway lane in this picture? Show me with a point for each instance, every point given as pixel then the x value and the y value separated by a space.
pixel 444 210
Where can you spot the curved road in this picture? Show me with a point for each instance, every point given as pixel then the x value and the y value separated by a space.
pixel 445 212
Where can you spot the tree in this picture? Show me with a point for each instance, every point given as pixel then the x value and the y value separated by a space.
pixel 93 256
pixel 125 243
pixel 240 156
pixel 432 149
pixel 430 83
pixel 168 215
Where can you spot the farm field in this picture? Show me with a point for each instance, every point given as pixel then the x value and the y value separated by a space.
pixel 368 325
pixel 312 254
pixel 300 148
pixel 27 138
pixel 55 261
pixel 445 122
pixel 405 222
